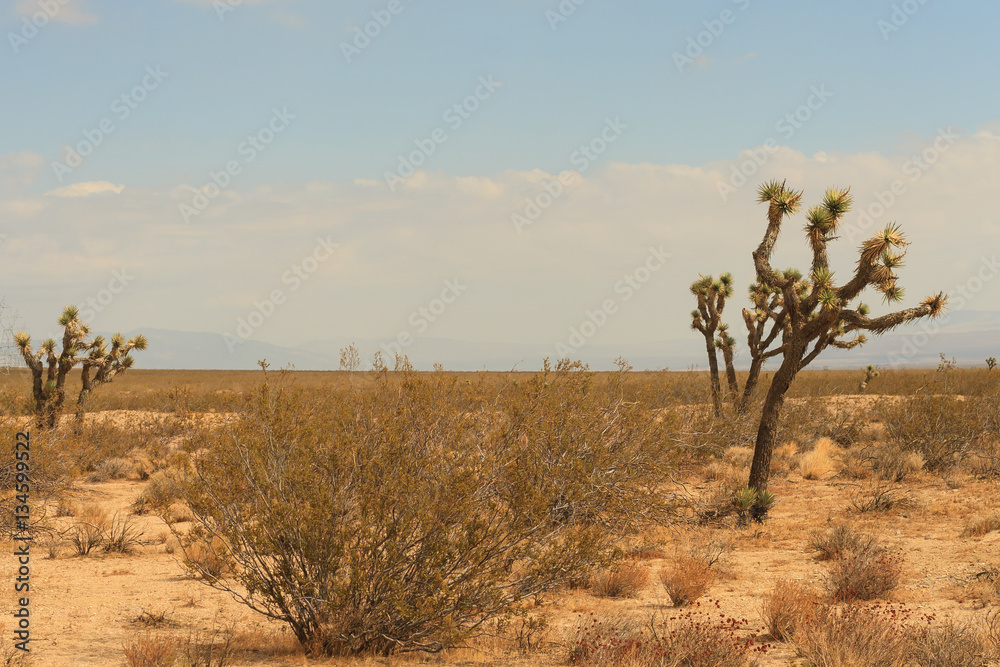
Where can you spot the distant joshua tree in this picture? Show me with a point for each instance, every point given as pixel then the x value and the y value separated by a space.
pixel 100 365
pixel 870 374
pixel 712 295
pixel 991 363
pixel 815 312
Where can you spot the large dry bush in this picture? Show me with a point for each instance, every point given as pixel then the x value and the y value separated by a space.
pixel 943 429
pixel 404 516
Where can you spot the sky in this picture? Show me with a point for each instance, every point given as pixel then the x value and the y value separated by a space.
pixel 511 172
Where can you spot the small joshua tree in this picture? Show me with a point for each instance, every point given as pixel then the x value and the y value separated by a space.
pixel 712 295
pixel 816 311
pixel 49 371
pixel 991 363
pixel 870 374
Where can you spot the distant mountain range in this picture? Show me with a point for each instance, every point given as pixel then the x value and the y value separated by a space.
pixel 968 336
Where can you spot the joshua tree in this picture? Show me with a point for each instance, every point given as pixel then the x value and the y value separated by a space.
pixel 816 310
pixel 991 363
pixel 712 295
pixel 870 374
pixel 49 371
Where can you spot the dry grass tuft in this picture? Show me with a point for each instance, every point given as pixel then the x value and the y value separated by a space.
pixel 624 581
pixel 149 649
pixel 686 580
pixel 786 606
pixel 694 638
pixel 819 462
pixel 982 525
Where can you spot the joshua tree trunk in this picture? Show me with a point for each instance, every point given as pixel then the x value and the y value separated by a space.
pixel 751 385
pixel 713 369
pixel 767 431
pixel 734 387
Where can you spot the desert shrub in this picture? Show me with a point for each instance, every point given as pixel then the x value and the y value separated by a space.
pixel 121 535
pixel 686 580
pixel 148 649
pixel 818 463
pixel 950 644
pixel 111 469
pixel 89 531
pixel 839 541
pixel 854 636
pixel 785 607
pixel 160 492
pixel 894 464
pixel 866 574
pixel 877 635
pixel 695 638
pixel 941 428
pixel 406 516
pixel 622 581
pixel 980 526
pixel 879 496
pixel 739 457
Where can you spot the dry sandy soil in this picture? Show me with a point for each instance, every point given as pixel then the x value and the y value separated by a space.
pixel 83 608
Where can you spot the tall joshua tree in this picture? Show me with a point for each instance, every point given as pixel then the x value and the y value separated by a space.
pixel 764 324
pixel 49 371
pixel 816 311
pixel 711 295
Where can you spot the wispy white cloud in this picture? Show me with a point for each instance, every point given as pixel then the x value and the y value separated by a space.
pixel 85 189
pixel 62 11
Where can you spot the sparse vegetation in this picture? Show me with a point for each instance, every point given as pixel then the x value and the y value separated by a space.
pixel 622 581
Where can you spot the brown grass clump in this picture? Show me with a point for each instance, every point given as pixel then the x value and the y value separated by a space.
pixel 854 636
pixel 686 580
pixel 818 463
pixel 982 525
pixel 878 635
pixel 624 581
pixel 838 541
pixel 786 606
pixel 880 496
pixel 694 638
pixel 149 649
pixel 867 574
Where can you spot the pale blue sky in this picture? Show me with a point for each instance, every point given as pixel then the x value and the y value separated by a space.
pixel 324 174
